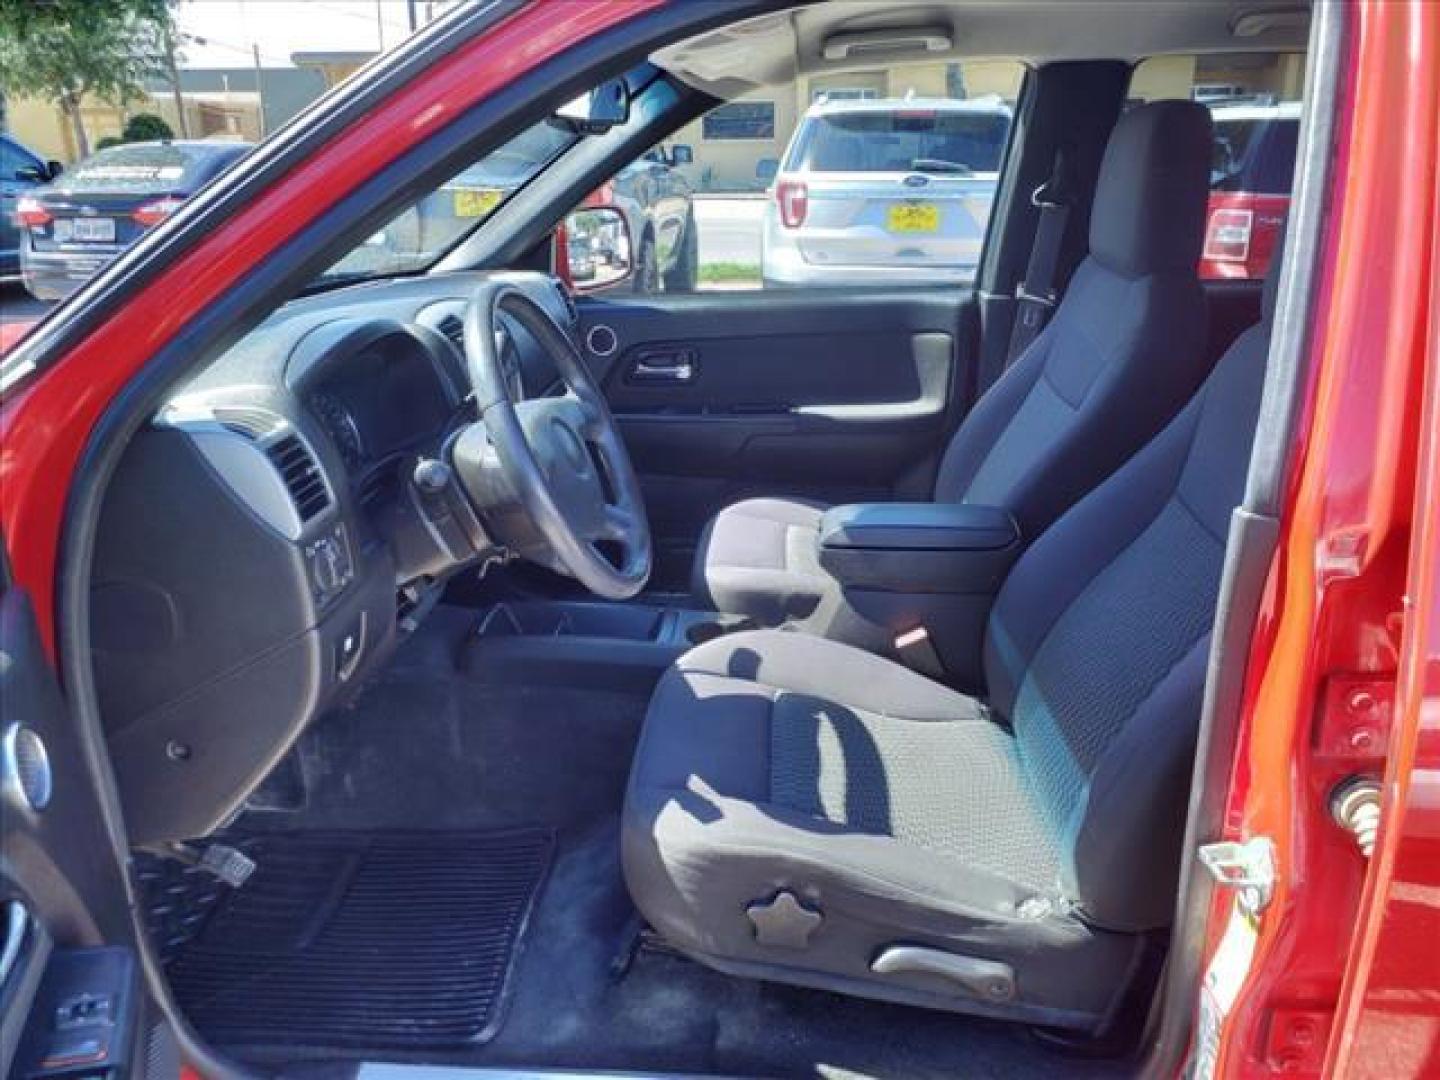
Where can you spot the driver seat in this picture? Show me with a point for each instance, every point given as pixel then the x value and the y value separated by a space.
pixel 805 812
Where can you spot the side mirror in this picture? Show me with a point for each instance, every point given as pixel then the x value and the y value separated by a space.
pixel 594 245
pixel 54 168
pixel 682 154
pixel 766 168
pixel 594 113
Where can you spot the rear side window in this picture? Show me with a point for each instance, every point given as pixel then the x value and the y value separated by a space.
pixel 1254 102
pixel 1254 153
pixel 901 141
pixel 142 170
pixel 13 159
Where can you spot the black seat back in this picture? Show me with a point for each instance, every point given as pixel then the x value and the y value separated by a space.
pixel 1124 351
pixel 1097 646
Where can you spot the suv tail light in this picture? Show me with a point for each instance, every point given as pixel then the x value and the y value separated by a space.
pixel 793 198
pixel 1227 236
pixel 29 214
pixel 152 213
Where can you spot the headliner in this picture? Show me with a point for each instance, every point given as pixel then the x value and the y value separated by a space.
pixel 775 48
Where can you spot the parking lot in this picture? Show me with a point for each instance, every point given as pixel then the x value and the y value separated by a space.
pixel 17 306
pixel 729 231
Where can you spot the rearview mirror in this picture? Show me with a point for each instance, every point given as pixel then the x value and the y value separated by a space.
pixel 596 112
pixel 596 249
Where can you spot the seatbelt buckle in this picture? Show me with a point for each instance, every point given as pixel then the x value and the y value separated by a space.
pixel 917 652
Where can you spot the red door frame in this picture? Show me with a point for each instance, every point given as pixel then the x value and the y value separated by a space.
pixel 1338 579
pixel 1343 672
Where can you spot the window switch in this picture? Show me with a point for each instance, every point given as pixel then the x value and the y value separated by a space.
pixel 82 1010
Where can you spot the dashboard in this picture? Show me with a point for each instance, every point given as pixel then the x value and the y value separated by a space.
pixel 262 546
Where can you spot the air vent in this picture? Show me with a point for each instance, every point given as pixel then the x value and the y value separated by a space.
pixel 301 475
pixel 453 327
pixel 252 423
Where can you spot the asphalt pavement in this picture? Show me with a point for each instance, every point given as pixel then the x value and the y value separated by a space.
pixel 16 305
pixel 730 228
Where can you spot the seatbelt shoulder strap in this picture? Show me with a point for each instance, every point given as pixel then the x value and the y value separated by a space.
pixel 1035 296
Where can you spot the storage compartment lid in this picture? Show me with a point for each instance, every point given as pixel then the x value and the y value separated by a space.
pixel 918 527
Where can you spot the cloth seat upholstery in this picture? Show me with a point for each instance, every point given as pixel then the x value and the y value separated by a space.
pixel 1039 828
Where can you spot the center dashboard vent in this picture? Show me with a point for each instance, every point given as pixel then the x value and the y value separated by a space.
pixel 301 474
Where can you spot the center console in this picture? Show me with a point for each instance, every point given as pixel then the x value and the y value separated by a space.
pixel 916 581
pixel 599 645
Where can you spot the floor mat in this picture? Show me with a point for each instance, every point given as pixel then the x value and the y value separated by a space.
pixel 362 941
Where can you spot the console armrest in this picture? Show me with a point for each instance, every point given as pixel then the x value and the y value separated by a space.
pixel 918 527
pixel 918 547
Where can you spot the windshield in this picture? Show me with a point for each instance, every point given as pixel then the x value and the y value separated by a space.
pixel 141 169
pixel 422 232
pixel 902 141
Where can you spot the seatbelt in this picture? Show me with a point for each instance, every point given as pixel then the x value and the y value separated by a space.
pixel 1035 296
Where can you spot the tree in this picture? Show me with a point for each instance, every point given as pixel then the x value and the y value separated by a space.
pixel 63 50
pixel 146 127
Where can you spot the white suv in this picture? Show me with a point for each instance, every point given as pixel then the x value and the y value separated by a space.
pixel 873 192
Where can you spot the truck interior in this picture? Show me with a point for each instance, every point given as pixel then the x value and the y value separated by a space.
pixel 785 682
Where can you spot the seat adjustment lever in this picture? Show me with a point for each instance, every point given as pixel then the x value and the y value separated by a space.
pixel 988 979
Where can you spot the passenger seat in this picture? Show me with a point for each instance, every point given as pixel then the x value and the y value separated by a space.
pixel 1122 355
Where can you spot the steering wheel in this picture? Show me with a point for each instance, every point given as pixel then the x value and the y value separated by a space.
pixel 561 458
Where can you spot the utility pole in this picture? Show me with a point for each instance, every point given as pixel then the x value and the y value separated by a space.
pixel 380 24
pixel 176 95
pixel 410 12
pixel 259 86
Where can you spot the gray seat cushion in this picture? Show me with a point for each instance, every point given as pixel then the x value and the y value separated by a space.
pixel 895 807
pixel 760 557
pixel 1120 358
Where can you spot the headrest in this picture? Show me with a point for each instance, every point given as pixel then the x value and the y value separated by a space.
pixel 1272 277
pixel 1150 200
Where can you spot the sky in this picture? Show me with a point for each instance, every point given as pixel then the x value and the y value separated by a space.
pixel 221 33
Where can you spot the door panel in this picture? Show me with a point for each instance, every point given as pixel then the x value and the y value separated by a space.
pixel 838 396
pixel 61 897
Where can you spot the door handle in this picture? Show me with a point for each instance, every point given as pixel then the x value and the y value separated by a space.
pixel 667 366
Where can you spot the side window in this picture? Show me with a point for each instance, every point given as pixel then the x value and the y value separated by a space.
pixel 861 178
pixel 1254 100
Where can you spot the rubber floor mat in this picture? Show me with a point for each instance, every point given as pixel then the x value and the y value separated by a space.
pixel 362 941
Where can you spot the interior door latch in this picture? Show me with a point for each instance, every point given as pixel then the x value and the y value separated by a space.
pixel 1248 866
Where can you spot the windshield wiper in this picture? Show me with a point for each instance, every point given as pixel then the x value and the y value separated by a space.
pixel 940 165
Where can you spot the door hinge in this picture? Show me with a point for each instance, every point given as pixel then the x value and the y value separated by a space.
pixel 1248 867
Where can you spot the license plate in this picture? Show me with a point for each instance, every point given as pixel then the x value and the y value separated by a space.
pixel 476 202
pixel 85 230
pixel 913 218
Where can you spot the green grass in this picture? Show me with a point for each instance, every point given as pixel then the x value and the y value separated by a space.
pixel 717 273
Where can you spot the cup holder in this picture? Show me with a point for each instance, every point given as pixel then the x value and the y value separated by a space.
pixel 712 627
